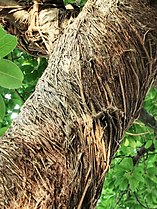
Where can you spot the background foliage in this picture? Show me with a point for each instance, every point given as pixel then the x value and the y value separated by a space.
pixel 19 73
pixel 127 186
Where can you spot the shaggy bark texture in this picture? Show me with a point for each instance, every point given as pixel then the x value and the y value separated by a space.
pixel 36 23
pixel 58 150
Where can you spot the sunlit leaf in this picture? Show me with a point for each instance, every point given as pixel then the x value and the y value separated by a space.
pixel 2 31
pixel 3 130
pixel 148 144
pixel 2 108
pixel 126 143
pixel 10 74
pixel 7 43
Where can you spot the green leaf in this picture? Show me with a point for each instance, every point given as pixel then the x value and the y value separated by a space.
pixel 152 171
pixel 133 184
pixel 126 164
pixel 148 144
pixel 2 31
pixel 10 74
pixel 2 108
pixel 155 144
pixel 126 142
pixel 3 130
pixel 100 207
pixel 69 1
pixel 82 2
pixel 137 174
pixel 124 184
pixel 149 197
pixel 7 43
pixel 133 143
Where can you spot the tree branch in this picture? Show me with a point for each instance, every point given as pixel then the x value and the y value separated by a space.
pixel 148 120
pixel 141 152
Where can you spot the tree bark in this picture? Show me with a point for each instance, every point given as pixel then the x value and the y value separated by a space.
pixel 58 150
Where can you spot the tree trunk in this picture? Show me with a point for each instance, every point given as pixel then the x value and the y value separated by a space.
pixel 57 152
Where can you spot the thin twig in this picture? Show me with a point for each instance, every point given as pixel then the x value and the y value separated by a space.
pixel 137 199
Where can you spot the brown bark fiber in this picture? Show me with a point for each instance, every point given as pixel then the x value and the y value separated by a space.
pixel 56 153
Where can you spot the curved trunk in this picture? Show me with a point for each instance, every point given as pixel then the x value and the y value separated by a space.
pixel 58 150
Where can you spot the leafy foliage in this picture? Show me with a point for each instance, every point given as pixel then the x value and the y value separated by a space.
pixel 19 73
pixel 10 74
